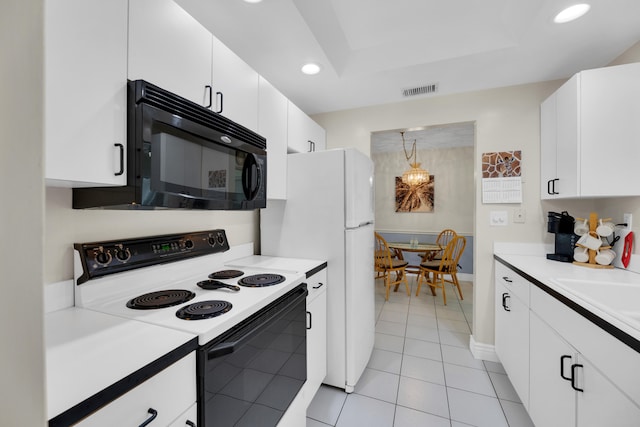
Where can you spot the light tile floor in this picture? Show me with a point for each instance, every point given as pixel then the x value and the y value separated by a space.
pixel 421 372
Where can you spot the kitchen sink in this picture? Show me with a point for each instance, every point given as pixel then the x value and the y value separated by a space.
pixel 620 300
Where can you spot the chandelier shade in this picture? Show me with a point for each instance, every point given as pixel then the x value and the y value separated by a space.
pixel 415 175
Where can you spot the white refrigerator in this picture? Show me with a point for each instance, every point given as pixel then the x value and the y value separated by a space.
pixel 329 215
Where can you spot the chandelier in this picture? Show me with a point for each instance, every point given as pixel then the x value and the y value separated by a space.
pixel 416 175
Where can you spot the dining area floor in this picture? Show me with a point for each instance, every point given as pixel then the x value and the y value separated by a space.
pixel 421 372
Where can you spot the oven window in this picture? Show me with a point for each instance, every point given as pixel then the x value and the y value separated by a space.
pixel 181 163
pixel 254 384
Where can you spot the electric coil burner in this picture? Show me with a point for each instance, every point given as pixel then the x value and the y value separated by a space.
pixel 203 310
pixel 261 280
pixel 226 274
pixel 160 299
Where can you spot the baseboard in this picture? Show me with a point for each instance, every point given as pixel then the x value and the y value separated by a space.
pixel 483 351
pixel 465 277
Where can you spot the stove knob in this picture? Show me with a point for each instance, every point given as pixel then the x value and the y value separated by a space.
pixel 188 244
pixel 123 254
pixel 212 241
pixel 220 239
pixel 103 258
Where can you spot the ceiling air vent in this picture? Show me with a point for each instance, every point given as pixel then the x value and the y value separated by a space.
pixel 420 90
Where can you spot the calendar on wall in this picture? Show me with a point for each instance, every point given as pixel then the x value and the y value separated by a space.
pixel 502 177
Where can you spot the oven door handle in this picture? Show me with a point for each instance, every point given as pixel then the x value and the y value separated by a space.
pixel 254 326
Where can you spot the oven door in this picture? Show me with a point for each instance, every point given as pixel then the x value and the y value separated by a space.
pixel 250 375
pixel 185 164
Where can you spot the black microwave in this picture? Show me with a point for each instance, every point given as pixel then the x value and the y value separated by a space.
pixel 181 155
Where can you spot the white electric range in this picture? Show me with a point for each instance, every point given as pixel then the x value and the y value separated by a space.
pixel 249 314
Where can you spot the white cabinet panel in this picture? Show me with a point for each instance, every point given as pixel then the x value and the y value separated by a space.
pixel 588 123
pixel 304 134
pixel 85 92
pixel 316 334
pixel 512 337
pixel 272 124
pixel 170 49
pixel 552 400
pixel 169 392
pixel 235 86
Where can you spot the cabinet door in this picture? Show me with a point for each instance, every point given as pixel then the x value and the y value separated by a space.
pixel 316 334
pixel 304 134
pixel 169 48
pixel 548 143
pixel 552 401
pixel 187 419
pixel 610 129
pixel 512 339
pixel 85 85
pixel 272 124
pixel 235 86
pixel 601 403
pixel 567 149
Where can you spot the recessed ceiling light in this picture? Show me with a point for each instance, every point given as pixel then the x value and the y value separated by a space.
pixel 252 1
pixel 571 13
pixel 310 68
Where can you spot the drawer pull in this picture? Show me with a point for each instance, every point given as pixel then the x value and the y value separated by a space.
pixel 153 416
pixel 319 286
pixel 121 150
pixel 506 279
pixel 562 358
pixel 190 423
pixel 310 320
pixel 505 296
pixel 574 376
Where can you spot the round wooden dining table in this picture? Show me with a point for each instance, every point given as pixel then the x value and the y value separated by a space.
pixel 399 247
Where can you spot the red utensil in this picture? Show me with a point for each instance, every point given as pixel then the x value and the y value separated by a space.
pixel 625 258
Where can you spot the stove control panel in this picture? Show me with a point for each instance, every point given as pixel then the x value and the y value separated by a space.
pixel 114 256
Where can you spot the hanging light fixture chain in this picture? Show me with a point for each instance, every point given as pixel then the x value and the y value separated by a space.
pixel 413 150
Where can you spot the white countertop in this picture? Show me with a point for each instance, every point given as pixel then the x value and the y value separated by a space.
pixel 89 351
pixel 553 273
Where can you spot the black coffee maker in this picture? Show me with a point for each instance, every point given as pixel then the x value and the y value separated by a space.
pixel 561 224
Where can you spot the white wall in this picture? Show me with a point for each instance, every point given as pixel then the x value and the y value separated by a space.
pixel 452 169
pixel 506 119
pixel 65 226
pixel 22 399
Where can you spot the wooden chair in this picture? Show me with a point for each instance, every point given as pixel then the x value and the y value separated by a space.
pixel 443 239
pixel 386 264
pixel 448 265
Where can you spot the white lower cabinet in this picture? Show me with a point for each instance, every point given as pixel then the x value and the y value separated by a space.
pixel 167 395
pixel 552 400
pixel 568 390
pixel 512 329
pixel 316 334
pixel 188 419
pixel 566 369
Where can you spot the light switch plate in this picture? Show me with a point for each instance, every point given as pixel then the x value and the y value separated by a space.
pixel 498 218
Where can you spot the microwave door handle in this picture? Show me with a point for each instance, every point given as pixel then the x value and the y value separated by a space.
pixel 253 328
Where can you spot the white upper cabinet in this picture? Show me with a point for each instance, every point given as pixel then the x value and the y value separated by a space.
pixel 304 134
pixel 272 124
pixel 85 92
pixel 170 49
pixel 235 87
pixel 589 135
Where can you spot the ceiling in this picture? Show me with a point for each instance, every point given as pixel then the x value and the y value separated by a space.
pixel 370 51
pixel 426 138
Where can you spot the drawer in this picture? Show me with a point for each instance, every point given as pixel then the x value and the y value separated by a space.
pixel 170 393
pixel 516 284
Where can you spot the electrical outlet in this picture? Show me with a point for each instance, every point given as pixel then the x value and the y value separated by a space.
pixel 519 216
pixel 628 219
